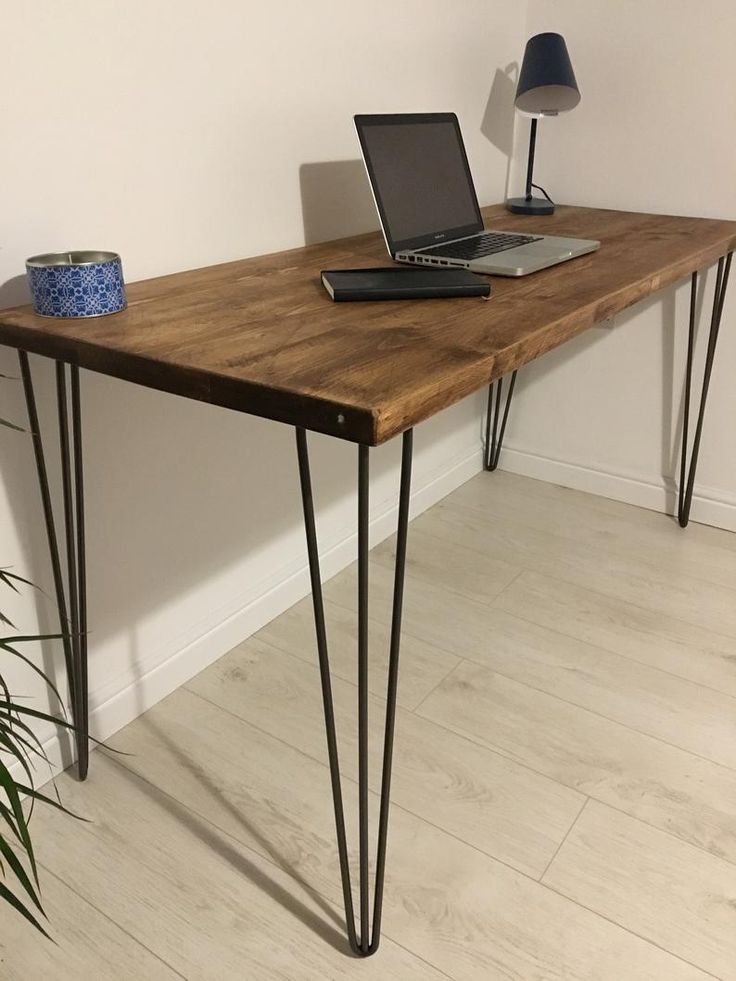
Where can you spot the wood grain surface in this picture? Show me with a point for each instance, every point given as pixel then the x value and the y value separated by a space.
pixel 261 335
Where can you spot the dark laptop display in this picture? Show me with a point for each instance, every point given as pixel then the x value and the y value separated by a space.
pixel 421 178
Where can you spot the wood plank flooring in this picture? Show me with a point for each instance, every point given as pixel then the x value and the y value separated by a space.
pixel 564 793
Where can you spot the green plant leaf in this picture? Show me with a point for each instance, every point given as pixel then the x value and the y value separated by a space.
pixel 10 747
pixel 11 789
pixel 36 714
pixel 5 645
pixel 8 896
pixel 8 818
pixel 6 577
pixel 12 730
pixel 36 750
pixel 9 730
pixel 7 721
pixel 12 425
pixel 25 638
pixel 20 873
pixel 9 734
pixel 10 706
pixel 37 795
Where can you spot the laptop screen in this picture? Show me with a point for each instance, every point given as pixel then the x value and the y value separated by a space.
pixel 420 178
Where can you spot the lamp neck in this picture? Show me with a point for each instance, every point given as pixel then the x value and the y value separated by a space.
pixel 530 164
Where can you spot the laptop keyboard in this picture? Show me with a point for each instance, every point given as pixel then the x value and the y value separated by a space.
pixel 480 245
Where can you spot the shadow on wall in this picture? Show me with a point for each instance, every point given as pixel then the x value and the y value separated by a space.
pixel 498 120
pixel 14 292
pixel 336 195
pixel 176 494
pixel 336 200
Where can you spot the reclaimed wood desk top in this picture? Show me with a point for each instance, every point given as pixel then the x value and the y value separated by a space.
pixel 261 335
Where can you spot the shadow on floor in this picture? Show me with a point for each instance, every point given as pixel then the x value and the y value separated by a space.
pixel 217 840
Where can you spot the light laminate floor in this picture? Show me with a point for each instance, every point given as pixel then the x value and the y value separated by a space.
pixel 564 785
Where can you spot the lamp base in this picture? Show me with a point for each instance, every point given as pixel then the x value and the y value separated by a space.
pixel 532 206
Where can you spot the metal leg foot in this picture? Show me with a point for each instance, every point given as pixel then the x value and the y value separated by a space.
pixel 73 624
pixel 364 941
pixel 494 435
pixel 687 472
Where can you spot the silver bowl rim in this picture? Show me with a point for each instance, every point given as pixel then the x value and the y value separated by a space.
pixel 72 257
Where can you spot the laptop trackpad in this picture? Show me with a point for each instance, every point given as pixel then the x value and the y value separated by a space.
pixel 544 250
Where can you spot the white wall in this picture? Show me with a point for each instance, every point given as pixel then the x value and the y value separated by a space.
pixel 183 134
pixel 654 131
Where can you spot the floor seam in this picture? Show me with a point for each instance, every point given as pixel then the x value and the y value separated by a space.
pixel 609 650
pixel 85 899
pixel 600 715
pixel 466 737
pixel 375 793
pixel 567 835
pixel 488 747
pixel 620 553
pixel 473 660
pixel 633 933
pixel 415 710
pixel 477 741
pixel 531 568
pixel 412 575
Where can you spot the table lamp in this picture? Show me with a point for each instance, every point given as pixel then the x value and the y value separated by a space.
pixel 546 87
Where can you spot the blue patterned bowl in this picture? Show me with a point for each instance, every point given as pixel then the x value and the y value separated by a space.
pixel 76 284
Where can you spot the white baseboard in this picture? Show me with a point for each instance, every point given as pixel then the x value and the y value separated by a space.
pixel 110 713
pixel 709 507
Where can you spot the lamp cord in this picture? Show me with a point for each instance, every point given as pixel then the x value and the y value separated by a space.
pixel 543 192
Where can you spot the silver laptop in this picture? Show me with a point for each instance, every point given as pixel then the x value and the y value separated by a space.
pixel 424 193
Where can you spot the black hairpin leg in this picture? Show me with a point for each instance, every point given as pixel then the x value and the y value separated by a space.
pixel 74 625
pixel 494 435
pixel 687 473
pixel 365 941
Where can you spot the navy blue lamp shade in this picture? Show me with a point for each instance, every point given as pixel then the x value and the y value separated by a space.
pixel 546 87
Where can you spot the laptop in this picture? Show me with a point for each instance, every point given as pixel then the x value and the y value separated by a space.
pixel 423 190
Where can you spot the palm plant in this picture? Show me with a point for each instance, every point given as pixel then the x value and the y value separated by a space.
pixel 21 748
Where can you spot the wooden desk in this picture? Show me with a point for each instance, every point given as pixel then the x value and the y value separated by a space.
pixel 261 336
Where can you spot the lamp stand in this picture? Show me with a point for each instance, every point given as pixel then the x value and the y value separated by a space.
pixel 529 205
